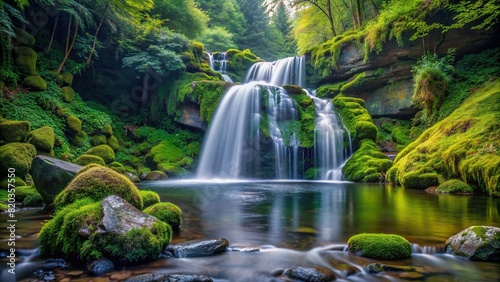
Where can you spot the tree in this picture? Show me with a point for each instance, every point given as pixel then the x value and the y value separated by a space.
pixel 282 22
pixel 225 14
pixel 181 16
pixel 217 39
pixel 325 6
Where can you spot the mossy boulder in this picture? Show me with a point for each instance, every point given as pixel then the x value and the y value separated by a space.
pixel 17 156
pixel 26 61
pixel 356 118
pixel 97 182
pixel 97 140
pixel 149 198
pixel 155 175
pixel 103 151
pixel 23 38
pixel 87 159
pixel 18 181
pixel 167 157
pixel 67 94
pixel 73 125
pixel 366 130
pixel 166 212
pixel 88 230
pixel 454 186
pixel 33 200
pixel 35 83
pixel 13 131
pixel 107 130
pixel 113 142
pixel 380 246
pixel 67 78
pixel 367 164
pixel 476 243
pixel 464 145
pixel 42 138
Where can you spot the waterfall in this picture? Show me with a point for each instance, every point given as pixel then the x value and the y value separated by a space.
pixel 254 133
pixel 220 60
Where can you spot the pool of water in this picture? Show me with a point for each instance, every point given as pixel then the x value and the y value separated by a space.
pixel 300 223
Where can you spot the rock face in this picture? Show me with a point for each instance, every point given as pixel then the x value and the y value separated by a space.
pixel 51 176
pixel 196 248
pixel 385 80
pixel 476 243
pixel 191 116
pixel 166 277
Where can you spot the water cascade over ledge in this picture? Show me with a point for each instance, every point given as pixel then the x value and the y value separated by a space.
pixel 255 132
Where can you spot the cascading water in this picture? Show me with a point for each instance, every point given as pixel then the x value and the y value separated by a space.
pixel 260 110
pixel 221 61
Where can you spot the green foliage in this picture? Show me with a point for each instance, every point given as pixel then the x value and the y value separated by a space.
pixel 380 246
pixel 224 14
pixel 454 186
pixel 181 16
pixel 9 77
pixel 149 198
pixel 307 124
pixel 166 212
pixel 169 158
pixel 463 146
pixel 33 200
pixel 217 38
pixel 97 182
pixel 432 77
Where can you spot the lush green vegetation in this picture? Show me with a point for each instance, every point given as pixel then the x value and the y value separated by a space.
pixel 381 246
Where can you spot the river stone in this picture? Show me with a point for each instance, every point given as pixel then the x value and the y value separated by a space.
pixel 476 243
pixel 316 274
pixel 377 267
pixel 120 216
pixel 156 175
pixel 51 176
pixel 196 248
pixel 166 277
pixel 100 266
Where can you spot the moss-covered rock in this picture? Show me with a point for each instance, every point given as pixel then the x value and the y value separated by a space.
pixel 67 94
pixel 73 125
pixel 103 151
pixel 366 130
pixel 97 182
pixel 35 83
pixel 166 157
pixel 113 143
pixel 67 78
pixel 355 117
pixel 155 175
pixel 380 246
pixel 107 130
pixel 42 138
pixel 13 131
pixel 87 159
pixel 23 38
pixel 17 156
pixel 307 116
pixel 26 61
pixel 166 212
pixel 454 186
pixel 97 140
pixel 464 145
pixel 18 181
pixel 367 164
pixel 480 243
pixel 149 198
pixel 33 200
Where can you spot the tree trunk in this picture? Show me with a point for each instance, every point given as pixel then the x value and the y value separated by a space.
pixel 330 17
pixel 53 33
pixel 96 32
pixel 358 13
pixel 69 47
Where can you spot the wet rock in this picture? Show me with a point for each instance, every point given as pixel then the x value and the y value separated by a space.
pixel 100 266
pixel 120 216
pixel 51 176
pixel 84 232
pixel 132 177
pixel 155 175
pixel 166 277
pixel 376 268
pixel 244 249
pixel 196 248
pixel 121 275
pixel 476 243
pixel 316 274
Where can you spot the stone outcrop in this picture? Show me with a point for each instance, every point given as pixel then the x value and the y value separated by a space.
pixel 51 176
pixel 476 243
pixel 191 116
pixel 196 248
pixel 302 273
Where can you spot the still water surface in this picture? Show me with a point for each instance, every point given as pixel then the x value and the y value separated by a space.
pixel 299 223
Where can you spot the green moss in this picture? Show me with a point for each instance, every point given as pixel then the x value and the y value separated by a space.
pixel 3 207
pixel 166 212
pixel 107 130
pixel 13 131
pixel 18 181
pixel 367 164
pixel 87 159
pixel 67 94
pixel 167 156
pixel 113 143
pixel 380 246
pixel 98 182
pixel 42 138
pixel 464 145
pixel 26 61
pixel 73 125
pixel 23 190
pixel 17 156
pixel 293 89
pixel 366 130
pixel 97 140
pixel 454 186
pixel 35 83
pixel 307 113
pixel 329 90
pixel 149 198
pixel 23 37
pixel 480 231
pixel 103 151
pixel 33 200
pixel 67 78
pixel 239 62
